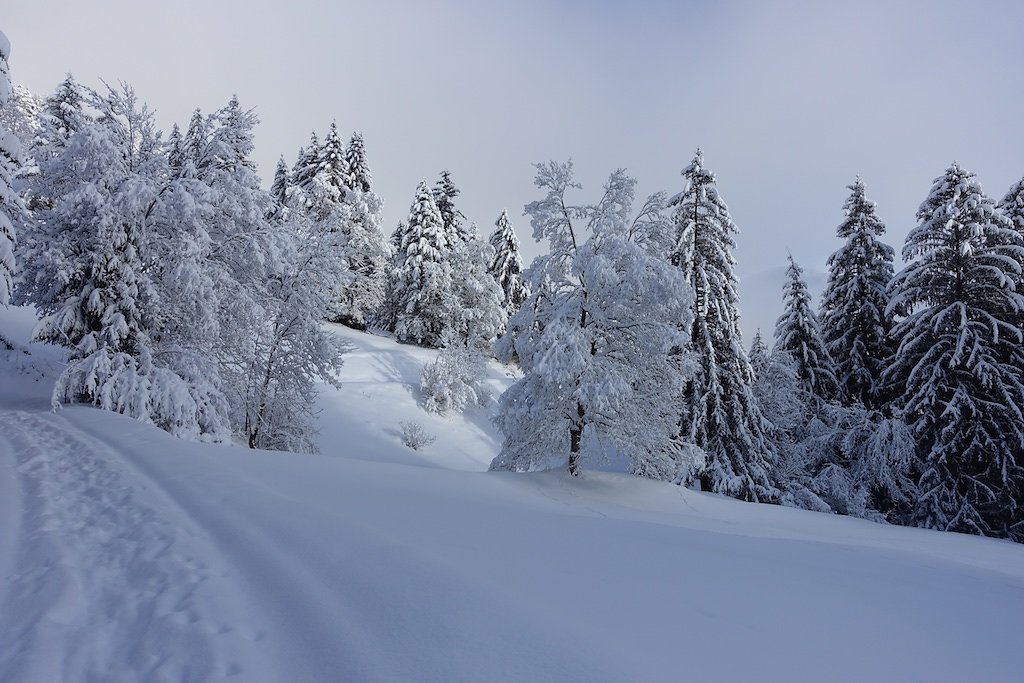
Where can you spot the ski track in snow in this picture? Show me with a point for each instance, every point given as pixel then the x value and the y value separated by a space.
pixel 105 587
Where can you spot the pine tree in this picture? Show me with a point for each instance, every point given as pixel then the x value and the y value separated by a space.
pixel 720 413
pixel 1012 206
pixel 596 341
pixel 797 333
pixel 855 323
pixel 480 314
pixel 445 192
pixel 305 170
pixel 63 112
pixel 86 270
pixel 423 281
pixel 507 265
pixel 960 359
pixel 11 208
pixel 359 176
pixel 279 192
pixel 196 140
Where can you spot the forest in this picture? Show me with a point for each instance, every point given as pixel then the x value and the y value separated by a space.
pixel 191 297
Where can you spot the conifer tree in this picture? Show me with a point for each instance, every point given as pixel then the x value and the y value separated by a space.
pixel 1012 206
pixel 720 413
pixel 279 192
pixel 480 314
pixel 423 280
pixel 960 359
pixel 10 204
pixel 359 176
pixel 63 112
pixel 305 169
pixel 855 323
pixel 797 333
pixel 367 254
pixel 507 265
pixel 445 192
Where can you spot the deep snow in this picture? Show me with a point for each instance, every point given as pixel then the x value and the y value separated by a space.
pixel 127 555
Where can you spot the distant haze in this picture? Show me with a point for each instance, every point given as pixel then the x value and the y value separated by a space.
pixel 790 101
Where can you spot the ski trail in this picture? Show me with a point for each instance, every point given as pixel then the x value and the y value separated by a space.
pixel 100 585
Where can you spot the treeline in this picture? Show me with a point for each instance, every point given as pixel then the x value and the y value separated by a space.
pixel 193 299
pixel 900 398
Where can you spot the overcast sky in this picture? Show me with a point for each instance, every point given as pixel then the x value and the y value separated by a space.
pixel 789 100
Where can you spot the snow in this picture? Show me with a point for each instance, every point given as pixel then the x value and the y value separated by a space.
pixel 128 555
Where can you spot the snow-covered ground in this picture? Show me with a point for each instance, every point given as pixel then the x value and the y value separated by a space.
pixel 127 555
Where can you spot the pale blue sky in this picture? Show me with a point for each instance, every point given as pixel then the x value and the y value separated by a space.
pixel 789 100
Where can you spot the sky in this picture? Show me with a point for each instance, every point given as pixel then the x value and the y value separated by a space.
pixel 790 101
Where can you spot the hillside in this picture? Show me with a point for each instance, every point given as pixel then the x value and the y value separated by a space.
pixel 127 555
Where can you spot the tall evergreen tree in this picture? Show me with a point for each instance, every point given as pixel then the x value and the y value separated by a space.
pixel 305 169
pixel 445 192
pixel 720 413
pixel 367 254
pixel 480 314
pixel 507 265
pixel 88 272
pixel 279 192
pixel 10 204
pixel 63 112
pixel 855 322
pixel 797 333
pixel 423 281
pixel 960 359
pixel 359 176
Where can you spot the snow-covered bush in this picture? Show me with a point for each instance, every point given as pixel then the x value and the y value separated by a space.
pixel 454 380
pixel 414 435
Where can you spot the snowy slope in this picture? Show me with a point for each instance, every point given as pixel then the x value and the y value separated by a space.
pixel 126 555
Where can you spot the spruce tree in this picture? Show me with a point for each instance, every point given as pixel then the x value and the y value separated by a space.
pixel 63 112
pixel 10 204
pixel 720 414
pixel 507 265
pixel 855 321
pixel 1012 206
pixel 279 192
pixel 423 281
pixel 359 176
pixel 445 192
pixel 367 254
pixel 797 333
pixel 960 360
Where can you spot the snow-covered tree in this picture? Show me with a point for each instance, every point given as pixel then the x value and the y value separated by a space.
pixel 422 287
pixel 454 380
pixel 293 351
pixel 20 116
pixel 720 413
pixel 359 177
pixel 63 112
pixel 598 341
pixel 960 359
pixel 478 313
pixel 797 333
pixel 855 323
pixel 445 192
pixel 507 265
pixel 87 271
pixel 1012 206
pixel 367 254
pixel 10 204
pixel 279 192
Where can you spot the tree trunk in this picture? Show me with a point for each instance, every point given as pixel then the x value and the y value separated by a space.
pixel 575 434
